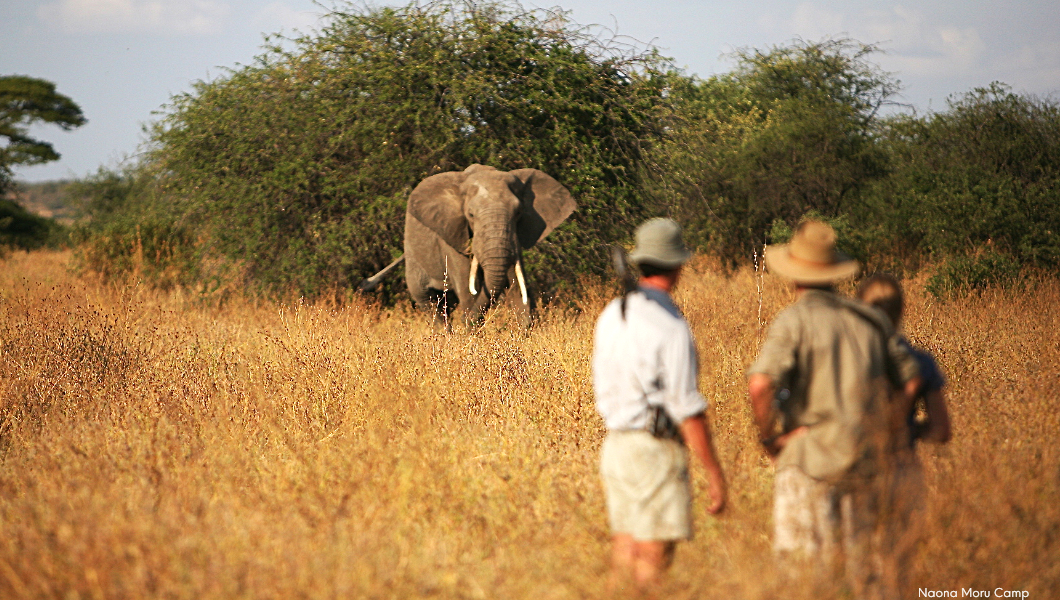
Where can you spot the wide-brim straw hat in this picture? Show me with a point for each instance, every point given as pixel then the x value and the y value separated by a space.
pixel 659 244
pixel 811 257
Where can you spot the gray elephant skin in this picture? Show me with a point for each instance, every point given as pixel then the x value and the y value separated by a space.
pixel 465 232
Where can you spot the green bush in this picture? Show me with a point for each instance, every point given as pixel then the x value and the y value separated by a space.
pixel 23 230
pixel 298 166
pixel 130 234
pixel 291 175
pixel 965 274
pixel 156 252
pixel 789 131
pixel 984 174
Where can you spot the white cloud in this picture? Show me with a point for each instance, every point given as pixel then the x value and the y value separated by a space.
pixel 927 50
pixel 278 16
pixel 811 22
pixel 194 17
pixel 899 27
pixel 1030 67
pixel 916 45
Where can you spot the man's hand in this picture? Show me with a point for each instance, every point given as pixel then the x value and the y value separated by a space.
pixel 939 430
pixel 901 406
pixel 778 443
pixel 761 389
pixel 718 493
pixel 696 434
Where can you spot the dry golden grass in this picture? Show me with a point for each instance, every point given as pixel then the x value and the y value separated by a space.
pixel 152 447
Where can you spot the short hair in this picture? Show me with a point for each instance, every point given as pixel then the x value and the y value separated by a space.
pixel 650 270
pixel 883 291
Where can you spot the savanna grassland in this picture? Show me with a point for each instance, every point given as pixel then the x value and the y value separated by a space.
pixel 152 445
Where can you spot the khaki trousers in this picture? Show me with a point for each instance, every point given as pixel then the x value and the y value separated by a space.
pixel 820 527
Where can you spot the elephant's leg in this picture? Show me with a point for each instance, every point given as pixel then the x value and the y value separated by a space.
pixel 476 311
pixel 457 268
pixel 427 269
pixel 418 281
pixel 443 302
pixel 428 292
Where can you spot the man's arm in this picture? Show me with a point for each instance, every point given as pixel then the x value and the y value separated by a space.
pixel 696 433
pixel 686 405
pixel 762 390
pixel 775 359
pixel 938 430
pixel 901 405
pixel 907 370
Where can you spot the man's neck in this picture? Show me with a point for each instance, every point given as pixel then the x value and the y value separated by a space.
pixel 658 282
pixel 800 290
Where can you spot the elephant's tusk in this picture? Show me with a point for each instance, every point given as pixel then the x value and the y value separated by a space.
pixel 522 280
pixel 474 271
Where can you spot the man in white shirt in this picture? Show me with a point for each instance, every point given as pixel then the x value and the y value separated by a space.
pixel 644 377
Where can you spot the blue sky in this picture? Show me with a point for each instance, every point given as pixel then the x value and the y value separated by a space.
pixel 122 60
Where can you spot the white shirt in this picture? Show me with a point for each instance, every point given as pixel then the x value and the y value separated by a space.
pixel 648 357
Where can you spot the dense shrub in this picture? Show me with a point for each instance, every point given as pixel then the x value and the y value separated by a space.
pixel 984 174
pixel 789 131
pixel 130 233
pixel 963 274
pixel 24 230
pixel 299 165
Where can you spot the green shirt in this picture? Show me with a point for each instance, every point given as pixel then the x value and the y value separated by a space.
pixel 835 364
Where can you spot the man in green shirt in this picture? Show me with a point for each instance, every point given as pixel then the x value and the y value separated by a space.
pixel 827 373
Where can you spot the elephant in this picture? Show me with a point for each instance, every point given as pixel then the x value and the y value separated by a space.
pixel 465 232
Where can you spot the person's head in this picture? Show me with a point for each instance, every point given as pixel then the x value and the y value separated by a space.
pixel 811 260
pixel 650 271
pixel 883 291
pixel 660 252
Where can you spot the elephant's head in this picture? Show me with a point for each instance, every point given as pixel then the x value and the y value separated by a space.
pixel 501 212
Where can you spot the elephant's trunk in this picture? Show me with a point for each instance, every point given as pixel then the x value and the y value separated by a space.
pixel 495 273
pixel 496 252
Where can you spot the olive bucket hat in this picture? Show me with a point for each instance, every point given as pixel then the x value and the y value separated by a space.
pixel 659 244
pixel 811 257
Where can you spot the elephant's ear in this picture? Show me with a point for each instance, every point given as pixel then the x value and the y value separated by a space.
pixel 546 204
pixel 438 204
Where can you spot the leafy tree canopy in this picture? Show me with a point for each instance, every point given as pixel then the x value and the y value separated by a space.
pixel 25 101
pixel 791 130
pixel 982 176
pixel 298 166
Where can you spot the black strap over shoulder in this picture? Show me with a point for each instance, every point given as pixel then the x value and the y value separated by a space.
pixel 885 330
pixel 625 276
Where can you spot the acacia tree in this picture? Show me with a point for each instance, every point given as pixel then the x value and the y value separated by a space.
pixel 299 166
pixel 23 102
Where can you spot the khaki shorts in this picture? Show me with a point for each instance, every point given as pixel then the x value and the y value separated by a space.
pixel 646 483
